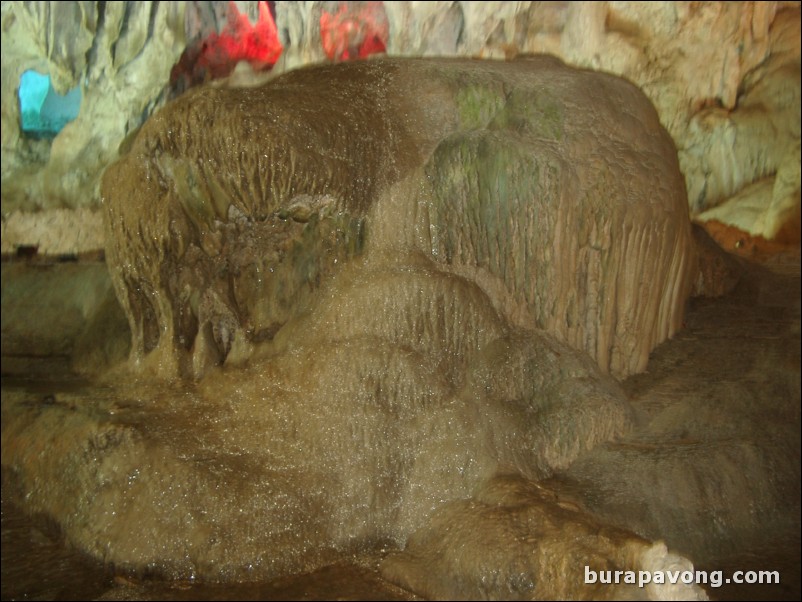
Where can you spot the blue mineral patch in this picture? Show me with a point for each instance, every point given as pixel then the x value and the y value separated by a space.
pixel 45 112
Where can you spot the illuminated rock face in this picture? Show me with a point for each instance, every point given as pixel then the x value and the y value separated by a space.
pixel 116 57
pixel 701 64
pixel 555 190
pixel 754 184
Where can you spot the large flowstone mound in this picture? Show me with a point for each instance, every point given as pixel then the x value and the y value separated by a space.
pixel 417 274
pixel 555 190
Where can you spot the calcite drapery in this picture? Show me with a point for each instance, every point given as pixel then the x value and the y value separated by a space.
pixel 556 190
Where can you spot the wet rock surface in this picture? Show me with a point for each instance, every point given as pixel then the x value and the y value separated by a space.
pixel 556 190
pixel 728 381
pixel 360 337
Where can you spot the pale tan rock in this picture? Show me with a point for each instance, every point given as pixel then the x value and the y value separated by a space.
pixel 515 540
pixel 742 162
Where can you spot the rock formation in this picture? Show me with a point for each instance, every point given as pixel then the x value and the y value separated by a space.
pixel 60 318
pixel 120 54
pixel 555 190
pixel 398 296
pixel 755 184
pixel 515 540
pixel 383 278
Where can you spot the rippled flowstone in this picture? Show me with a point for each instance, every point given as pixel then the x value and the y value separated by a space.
pixel 555 190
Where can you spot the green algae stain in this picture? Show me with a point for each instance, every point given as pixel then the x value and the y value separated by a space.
pixel 490 105
pixel 531 112
pixel 478 105
pixel 487 179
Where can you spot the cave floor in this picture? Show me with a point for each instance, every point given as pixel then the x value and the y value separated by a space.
pixel 756 324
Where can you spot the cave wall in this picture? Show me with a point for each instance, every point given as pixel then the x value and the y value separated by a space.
pixel 120 55
pixel 709 68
